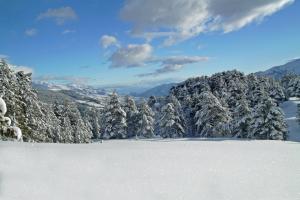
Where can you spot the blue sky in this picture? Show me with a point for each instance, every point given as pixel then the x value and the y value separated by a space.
pixel 146 42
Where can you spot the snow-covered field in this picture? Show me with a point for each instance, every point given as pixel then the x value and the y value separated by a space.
pixel 163 169
pixel 183 169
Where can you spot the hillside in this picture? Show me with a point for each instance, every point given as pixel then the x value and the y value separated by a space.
pixel 160 90
pixel 281 70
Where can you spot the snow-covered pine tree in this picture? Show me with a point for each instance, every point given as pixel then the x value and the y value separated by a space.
pixel 267 121
pixel 115 119
pixel 64 135
pixel 152 101
pixel 286 79
pixel 81 132
pixel 146 121
pixel 294 87
pixel 8 128
pixel 298 113
pixel 34 118
pixel 171 125
pixel 241 119
pixel 92 118
pixel 131 116
pixel 211 118
pixel 178 108
pixel 275 90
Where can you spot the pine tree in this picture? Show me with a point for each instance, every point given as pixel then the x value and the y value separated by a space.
pixel 115 119
pixel 212 119
pixel 268 121
pixel 276 91
pixel 131 116
pixel 146 121
pixel 30 115
pixel 241 119
pixel 152 101
pixel 178 109
pixel 286 80
pixel 294 87
pixel 298 113
pixel 170 122
pixel 92 118
pixel 8 128
pixel 80 131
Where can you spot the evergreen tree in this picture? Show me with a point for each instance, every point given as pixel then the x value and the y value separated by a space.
pixel 73 129
pixel 35 120
pixel 268 121
pixel 146 121
pixel 80 131
pixel 115 119
pixel 8 128
pixel 131 116
pixel 170 122
pixel 294 87
pixel 298 113
pixel 286 79
pixel 276 91
pixel 92 118
pixel 241 119
pixel 178 109
pixel 212 119
pixel 152 101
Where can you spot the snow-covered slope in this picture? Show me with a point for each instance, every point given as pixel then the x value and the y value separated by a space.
pixel 279 71
pixel 290 110
pixel 151 170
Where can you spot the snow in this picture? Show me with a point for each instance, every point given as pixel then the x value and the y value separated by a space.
pixel 182 169
pixel 3 108
pixel 18 133
pixel 290 111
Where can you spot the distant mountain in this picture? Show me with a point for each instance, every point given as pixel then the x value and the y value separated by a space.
pixel 86 95
pixel 279 71
pixel 160 90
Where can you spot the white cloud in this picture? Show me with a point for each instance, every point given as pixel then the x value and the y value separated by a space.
pixel 64 79
pixel 135 55
pixel 108 41
pixel 31 32
pixel 183 19
pixel 173 64
pixel 18 68
pixel 132 55
pixel 2 56
pixel 68 31
pixel 59 15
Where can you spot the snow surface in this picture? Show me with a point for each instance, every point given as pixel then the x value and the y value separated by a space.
pixel 290 111
pixel 151 169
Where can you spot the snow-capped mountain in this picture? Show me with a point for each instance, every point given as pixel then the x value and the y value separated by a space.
pixel 160 90
pixel 278 71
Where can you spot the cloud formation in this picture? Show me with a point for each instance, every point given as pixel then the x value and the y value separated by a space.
pixel 133 55
pixel 108 41
pixel 18 68
pixel 31 32
pixel 173 64
pixel 68 31
pixel 2 56
pixel 59 15
pixel 178 20
pixel 65 79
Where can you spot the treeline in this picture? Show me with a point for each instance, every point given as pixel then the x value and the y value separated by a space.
pixel 228 104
